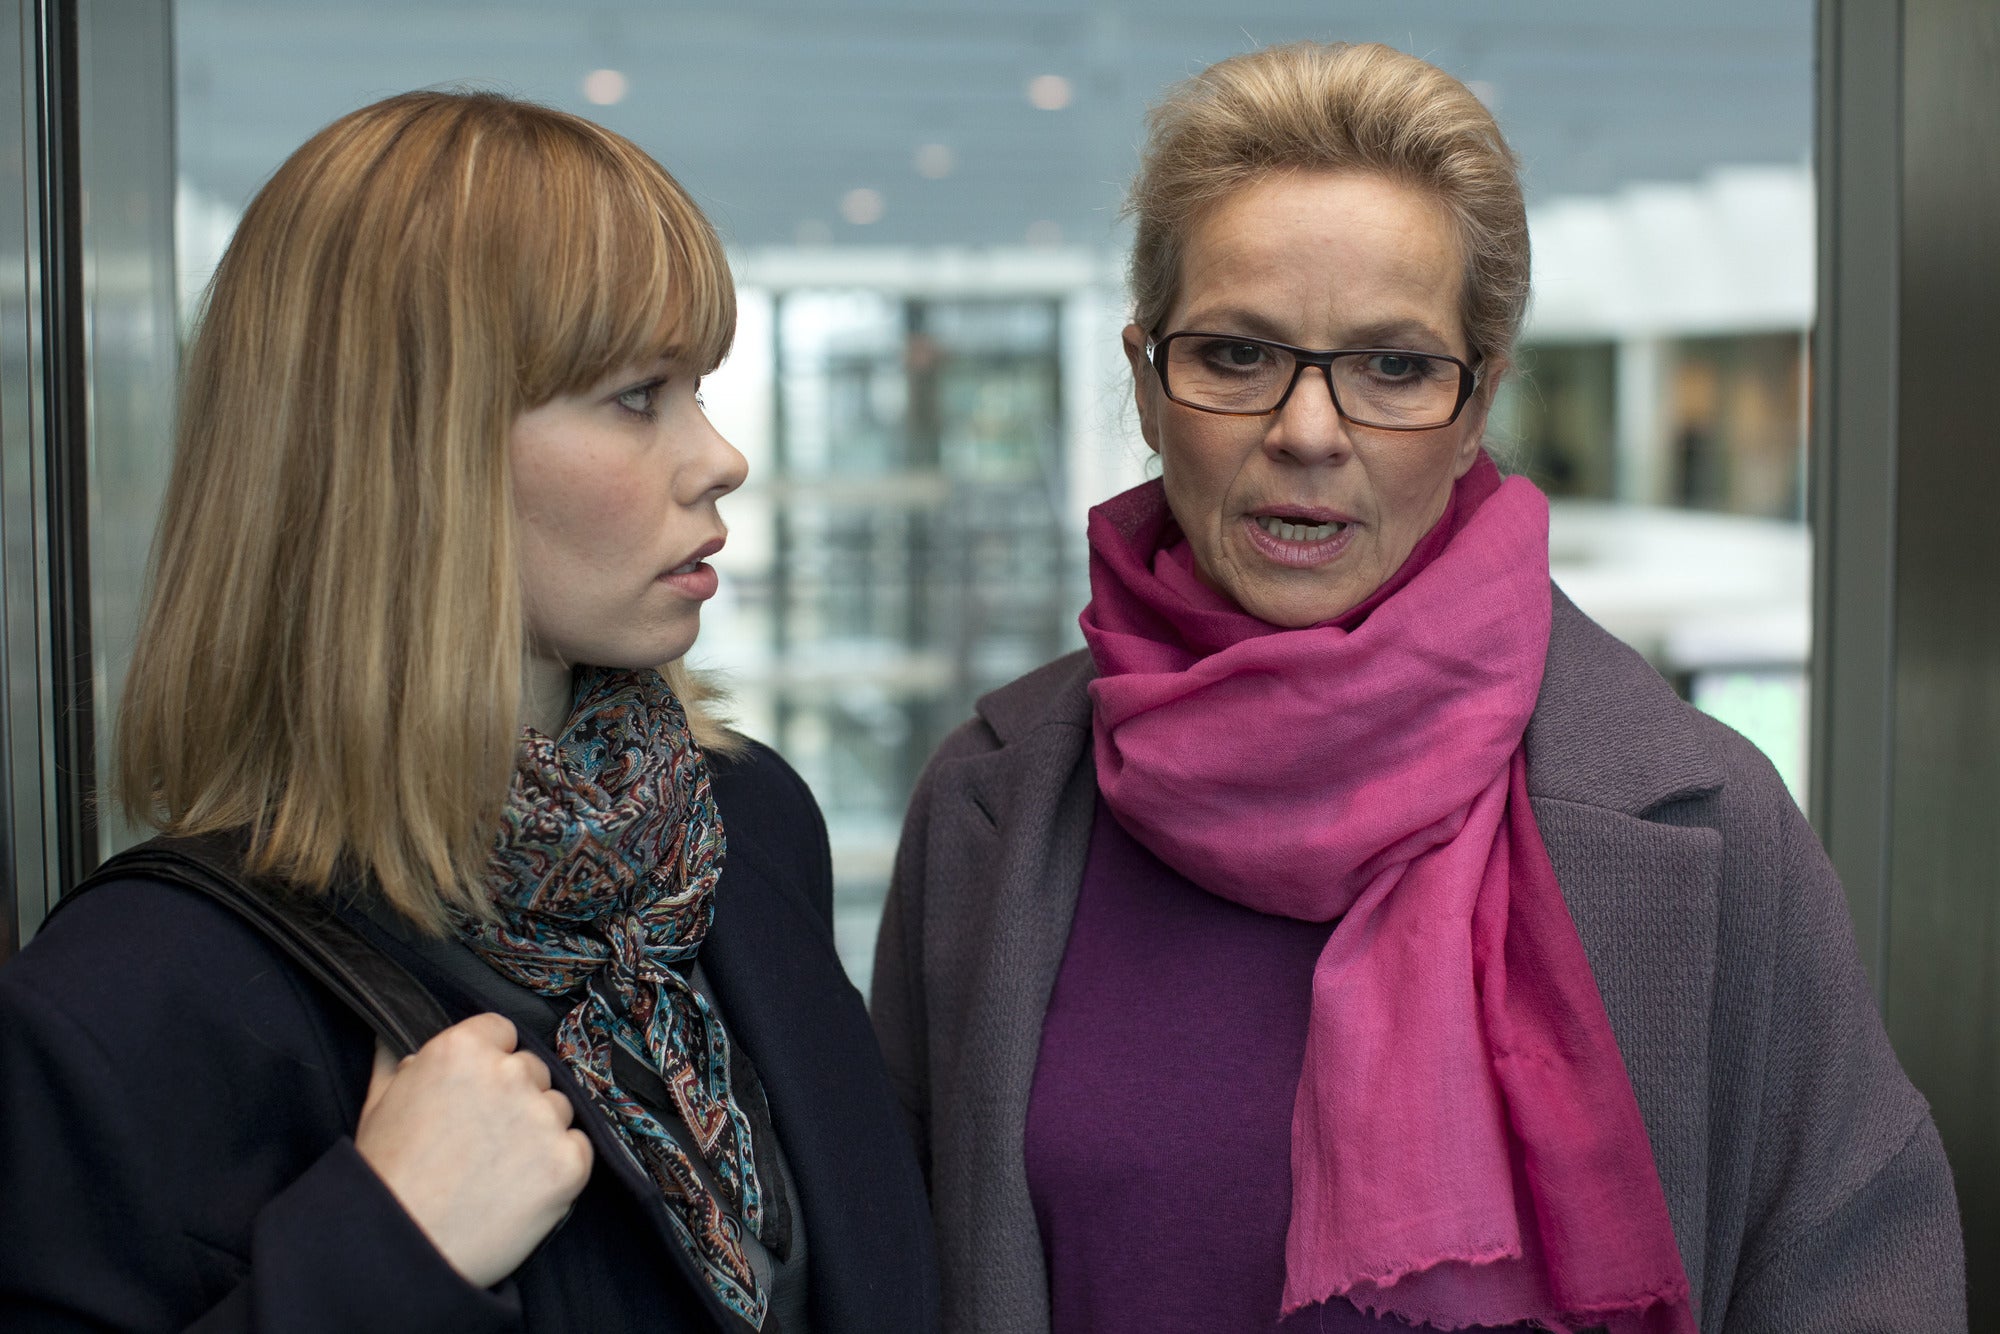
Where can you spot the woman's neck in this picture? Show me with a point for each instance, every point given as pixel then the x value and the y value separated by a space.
pixel 545 693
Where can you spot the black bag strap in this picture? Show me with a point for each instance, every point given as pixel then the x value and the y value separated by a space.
pixel 381 991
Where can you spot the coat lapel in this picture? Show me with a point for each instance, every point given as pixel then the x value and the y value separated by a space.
pixel 1622 792
pixel 771 960
pixel 1004 857
pixel 467 991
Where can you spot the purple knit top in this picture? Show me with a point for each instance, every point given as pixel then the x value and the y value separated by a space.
pixel 1160 1120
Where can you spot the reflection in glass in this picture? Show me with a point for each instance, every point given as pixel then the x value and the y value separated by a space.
pixel 931 390
pixel 919 556
pixel 1555 418
pixel 1737 424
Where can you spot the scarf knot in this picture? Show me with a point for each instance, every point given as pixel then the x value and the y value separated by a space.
pixel 603 879
pixel 1369 771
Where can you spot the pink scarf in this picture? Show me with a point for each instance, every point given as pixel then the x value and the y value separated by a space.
pixel 1466 1147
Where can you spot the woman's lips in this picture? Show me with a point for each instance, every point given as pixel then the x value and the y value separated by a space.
pixel 694 577
pixel 698 582
pixel 1300 538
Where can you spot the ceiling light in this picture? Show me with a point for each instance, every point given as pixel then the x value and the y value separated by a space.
pixel 1049 92
pixel 861 206
pixel 605 87
pixel 934 162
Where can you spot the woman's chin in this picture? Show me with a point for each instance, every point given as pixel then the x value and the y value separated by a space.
pixel 637 654
pixel 668 644
pixel 1292 586
pixel 1294 599
pixel 1297 613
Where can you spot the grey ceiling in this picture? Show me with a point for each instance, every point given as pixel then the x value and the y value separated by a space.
pixel 770 110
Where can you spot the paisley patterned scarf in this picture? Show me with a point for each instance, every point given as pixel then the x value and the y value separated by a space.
pixel 604 875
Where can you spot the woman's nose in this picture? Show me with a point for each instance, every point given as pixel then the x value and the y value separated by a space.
pixel 724 466
pixel 1309 428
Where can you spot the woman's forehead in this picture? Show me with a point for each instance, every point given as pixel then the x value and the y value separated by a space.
pixel 1324 259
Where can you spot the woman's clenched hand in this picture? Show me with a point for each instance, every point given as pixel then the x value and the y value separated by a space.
pixel 474 1144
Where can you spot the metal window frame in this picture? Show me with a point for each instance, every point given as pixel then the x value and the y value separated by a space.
pixel 74 306
pixel 66 398
pixel 1852 458
pixel 1906 654
pixel 36 488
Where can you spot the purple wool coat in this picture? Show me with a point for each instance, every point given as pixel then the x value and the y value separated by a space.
pixel 1805 1179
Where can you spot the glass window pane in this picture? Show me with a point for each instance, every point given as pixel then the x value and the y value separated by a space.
pixel 922 206
pixel 132 351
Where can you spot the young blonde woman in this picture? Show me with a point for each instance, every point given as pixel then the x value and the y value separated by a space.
pixel 442 502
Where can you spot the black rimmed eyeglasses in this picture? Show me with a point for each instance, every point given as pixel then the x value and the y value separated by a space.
pixel 1389 388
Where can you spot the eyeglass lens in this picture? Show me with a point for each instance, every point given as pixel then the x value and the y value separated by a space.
pixel 1407 390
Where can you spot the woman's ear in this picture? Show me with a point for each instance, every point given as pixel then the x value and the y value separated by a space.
pixel 1473 422
pixel 1145 385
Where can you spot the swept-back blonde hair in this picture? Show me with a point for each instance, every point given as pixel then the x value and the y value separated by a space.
pixel 331 654
pixel 1331 106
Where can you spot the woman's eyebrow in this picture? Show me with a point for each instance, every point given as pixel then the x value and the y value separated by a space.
pixel 1236 319
pixel 1412 334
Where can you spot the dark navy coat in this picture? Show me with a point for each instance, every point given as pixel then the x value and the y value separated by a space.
pixel 177 1105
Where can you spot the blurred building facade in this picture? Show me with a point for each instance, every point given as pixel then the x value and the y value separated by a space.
pixel 922 203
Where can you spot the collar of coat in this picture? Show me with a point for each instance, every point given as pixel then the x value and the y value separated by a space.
pixel 1607 730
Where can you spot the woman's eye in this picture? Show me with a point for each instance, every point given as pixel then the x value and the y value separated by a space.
pixel 1390 366
pixel 1235 356
pixel 640 399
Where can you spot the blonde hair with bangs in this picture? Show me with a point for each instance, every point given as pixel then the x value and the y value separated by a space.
pixel 1332 106
pixel 331 653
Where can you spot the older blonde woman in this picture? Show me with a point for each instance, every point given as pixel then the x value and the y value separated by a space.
pixel 1355 935
pixel 443 500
